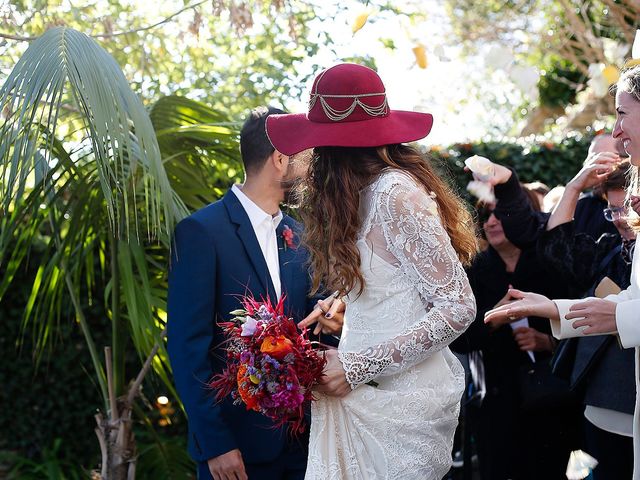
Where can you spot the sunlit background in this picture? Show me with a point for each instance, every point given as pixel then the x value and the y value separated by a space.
pixel 85 226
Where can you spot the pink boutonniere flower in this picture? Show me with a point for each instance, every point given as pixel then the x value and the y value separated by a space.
pixel 288 237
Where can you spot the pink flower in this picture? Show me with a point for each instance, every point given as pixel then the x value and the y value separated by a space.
pixel 288 399
pixel 249 327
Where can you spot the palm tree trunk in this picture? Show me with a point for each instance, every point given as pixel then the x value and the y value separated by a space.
pixel 118 325
pixel 115 433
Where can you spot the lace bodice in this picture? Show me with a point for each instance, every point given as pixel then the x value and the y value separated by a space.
pixel 417 298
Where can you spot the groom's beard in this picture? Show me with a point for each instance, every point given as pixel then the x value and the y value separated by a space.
pixel 292 190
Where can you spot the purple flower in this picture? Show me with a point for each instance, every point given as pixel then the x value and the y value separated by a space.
pixel 269 360
pixel 263 313
pixel 249 327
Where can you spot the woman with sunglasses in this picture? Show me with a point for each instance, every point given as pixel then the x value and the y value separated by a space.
pixel 614 314
pixel 511 423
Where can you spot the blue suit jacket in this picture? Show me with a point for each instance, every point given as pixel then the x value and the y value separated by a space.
pixel 217 258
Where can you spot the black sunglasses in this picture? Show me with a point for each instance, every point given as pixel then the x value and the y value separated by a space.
pixel 484 212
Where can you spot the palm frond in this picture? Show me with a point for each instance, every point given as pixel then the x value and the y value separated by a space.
pixel 122 136
pixel 200 148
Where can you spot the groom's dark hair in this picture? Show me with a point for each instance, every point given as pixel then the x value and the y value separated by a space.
pixel 255 146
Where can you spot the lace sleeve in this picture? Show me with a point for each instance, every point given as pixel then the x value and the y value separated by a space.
pixel 406 231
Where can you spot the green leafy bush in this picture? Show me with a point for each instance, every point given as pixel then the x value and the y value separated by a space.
pixel 552 163
pixel 56 400
pixel 47 415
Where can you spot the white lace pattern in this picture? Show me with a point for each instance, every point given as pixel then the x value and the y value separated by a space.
pixel 416 301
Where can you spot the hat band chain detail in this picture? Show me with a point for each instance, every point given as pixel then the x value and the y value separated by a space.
pixel 337 115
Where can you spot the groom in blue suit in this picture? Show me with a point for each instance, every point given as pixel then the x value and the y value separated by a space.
pixel 231 248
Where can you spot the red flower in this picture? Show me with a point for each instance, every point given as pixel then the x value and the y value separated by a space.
pixel 288 235
pixel 243 389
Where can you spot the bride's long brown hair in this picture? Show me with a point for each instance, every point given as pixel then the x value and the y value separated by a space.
pixel 331 200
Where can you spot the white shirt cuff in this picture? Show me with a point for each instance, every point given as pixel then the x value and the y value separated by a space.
pixel 563 328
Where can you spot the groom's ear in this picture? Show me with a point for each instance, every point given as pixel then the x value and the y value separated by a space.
pixel 279 160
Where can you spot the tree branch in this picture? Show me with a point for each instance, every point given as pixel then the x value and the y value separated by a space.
pixel 133 391
pixel 116 34
pixel 16 37
pixel 142 29
pixel 618 13
pixel 579 30
pixel 594 42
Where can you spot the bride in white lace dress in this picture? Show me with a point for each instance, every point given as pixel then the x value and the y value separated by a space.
pixel 388 233
pixel 416 300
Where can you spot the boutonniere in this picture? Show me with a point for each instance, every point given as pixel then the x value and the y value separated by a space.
pixel 288 237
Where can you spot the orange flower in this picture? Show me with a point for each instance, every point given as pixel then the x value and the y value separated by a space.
pixel 243 384
pixel 278 347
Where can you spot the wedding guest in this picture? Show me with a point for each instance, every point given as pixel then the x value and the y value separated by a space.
pixel 539 191
pixel 511 423
pixel 588 215
pixel 522 226
pixel 600 371
pixel 614 314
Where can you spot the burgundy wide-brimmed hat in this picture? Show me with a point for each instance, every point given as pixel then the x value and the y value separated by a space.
pixel 347 108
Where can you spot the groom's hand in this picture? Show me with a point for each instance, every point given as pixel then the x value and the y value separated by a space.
pixel 228 466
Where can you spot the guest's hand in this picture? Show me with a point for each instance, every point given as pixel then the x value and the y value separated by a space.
pixel 531 340
pixel 503 301
pixel 228 465
pixel 597 314
pixel 506 299
pixel 333 381
pixel 596 169
pixel 501 174
pixel 522 304
pixel 329 315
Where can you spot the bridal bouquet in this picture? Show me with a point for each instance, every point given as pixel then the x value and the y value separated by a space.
pixel 271 366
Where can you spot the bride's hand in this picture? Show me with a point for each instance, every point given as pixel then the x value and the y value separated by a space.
pixel 328 314
pixel 333 382
pixel 522 304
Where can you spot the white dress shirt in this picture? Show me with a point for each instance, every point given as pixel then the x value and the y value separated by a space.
pixel 264 225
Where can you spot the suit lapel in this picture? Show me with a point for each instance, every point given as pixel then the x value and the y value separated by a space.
pixel 247 235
